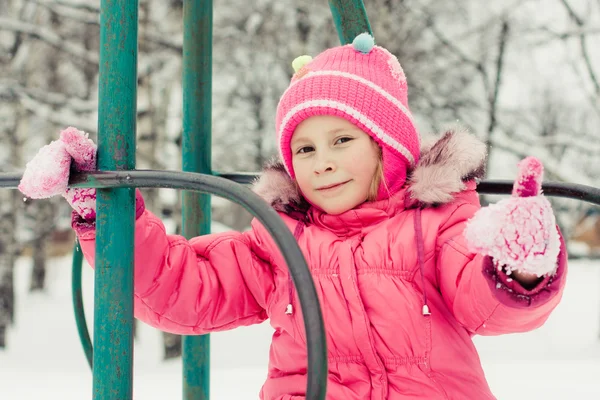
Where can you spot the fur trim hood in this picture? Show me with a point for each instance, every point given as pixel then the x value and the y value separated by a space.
pixel 447 161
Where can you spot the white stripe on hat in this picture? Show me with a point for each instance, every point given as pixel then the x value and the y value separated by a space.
pixel 366 82
pixel 362 118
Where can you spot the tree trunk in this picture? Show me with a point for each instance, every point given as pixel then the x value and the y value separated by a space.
pixel 7 262
pixel 7 297
pixel 41 215
pixel 2 337
pixel 172 345
pixel 38 272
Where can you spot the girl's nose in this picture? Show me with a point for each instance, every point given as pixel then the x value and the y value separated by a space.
pixel 324 163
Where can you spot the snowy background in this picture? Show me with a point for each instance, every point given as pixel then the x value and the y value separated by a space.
pixel 522 74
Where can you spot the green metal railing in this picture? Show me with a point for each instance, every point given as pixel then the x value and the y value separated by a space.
pixel 350 19
pixel 111 356
pixel 196 157
pixel 77 295
pixel 115 208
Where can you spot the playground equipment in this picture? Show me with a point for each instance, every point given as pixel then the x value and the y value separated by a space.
pixel 116 180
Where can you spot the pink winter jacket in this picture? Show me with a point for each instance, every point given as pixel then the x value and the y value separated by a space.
pixel 374 269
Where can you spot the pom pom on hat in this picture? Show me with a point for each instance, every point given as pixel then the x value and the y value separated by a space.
pixel 363 43
pixel 300 62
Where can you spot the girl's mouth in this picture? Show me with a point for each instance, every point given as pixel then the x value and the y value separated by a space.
pixel 330 188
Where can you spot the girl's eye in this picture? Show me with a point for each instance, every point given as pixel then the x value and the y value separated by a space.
pixel 305 149
pixel 343 140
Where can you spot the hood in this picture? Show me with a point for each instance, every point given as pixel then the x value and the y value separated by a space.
pixel 446 163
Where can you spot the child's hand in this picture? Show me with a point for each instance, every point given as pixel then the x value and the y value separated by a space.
pixel 47 174
pixel 519 233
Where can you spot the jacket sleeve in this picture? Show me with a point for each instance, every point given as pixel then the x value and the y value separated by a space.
pixel 484 300
pixel 209 283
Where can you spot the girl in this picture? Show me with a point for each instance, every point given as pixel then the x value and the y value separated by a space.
pixel 404 279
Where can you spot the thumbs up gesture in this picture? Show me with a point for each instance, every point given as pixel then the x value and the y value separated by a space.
pixel 519 232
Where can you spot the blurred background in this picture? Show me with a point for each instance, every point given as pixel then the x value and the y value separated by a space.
pixel 524 75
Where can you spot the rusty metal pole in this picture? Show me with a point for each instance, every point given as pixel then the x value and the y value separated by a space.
pixel 196 150
pixel 350 18
pixel 113 282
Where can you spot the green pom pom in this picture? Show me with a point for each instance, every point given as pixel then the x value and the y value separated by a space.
pixel 364 43
pixel 300 62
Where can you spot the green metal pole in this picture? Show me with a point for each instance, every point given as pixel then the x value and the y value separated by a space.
pixel 196 155
pixel 82 328
pixel 350 18
pixel 113 283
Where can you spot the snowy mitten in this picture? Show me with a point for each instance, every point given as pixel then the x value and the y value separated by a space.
pixel 520 232
pixel 47 174
pixel 83 151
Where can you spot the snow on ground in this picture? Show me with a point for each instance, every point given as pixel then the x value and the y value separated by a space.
pixel 45 361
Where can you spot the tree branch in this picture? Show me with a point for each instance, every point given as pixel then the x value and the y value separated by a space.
pixel 59 117
pixel 53 99
pixel 563 35
pixel 74 13
pixel 581 144
pixel 572 13
pixel 562 173
pixel 85 6
pixel 46 35
pixel 493 96
pixel 447 43
pixel 583 44
pixel 493 99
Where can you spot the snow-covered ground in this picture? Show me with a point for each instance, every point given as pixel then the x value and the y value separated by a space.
pixel 45 361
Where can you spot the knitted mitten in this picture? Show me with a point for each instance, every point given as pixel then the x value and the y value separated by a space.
pixel 520 232
pixel 47 174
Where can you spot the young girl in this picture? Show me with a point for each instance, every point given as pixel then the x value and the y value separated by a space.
pixel 404 279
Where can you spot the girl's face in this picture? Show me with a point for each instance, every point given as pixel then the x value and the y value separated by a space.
pixel 334 162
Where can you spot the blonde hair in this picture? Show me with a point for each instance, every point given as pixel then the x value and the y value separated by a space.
pixel 377 177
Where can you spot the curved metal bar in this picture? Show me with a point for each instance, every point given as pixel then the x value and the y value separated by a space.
pixel 309 302
pixel 575 191
pixel 82 328
pixel 245 178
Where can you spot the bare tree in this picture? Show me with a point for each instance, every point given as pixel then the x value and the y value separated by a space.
pixel 7 260
pixel 10 205
pixel 10 124
pixel 582 37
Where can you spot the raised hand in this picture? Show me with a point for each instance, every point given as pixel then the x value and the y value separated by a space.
pixel 47 174
pixel 520 232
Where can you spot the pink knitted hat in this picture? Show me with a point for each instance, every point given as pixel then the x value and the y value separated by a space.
pixel 364 84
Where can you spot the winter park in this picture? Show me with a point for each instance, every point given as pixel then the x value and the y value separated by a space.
pixel 417 179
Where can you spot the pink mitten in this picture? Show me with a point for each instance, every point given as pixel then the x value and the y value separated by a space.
pixel 47 174
pixel 83 150
pixel 519 233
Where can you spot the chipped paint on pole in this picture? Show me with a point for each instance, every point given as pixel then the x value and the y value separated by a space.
pixel 350 18
pixel 113 290
pixel 196 148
